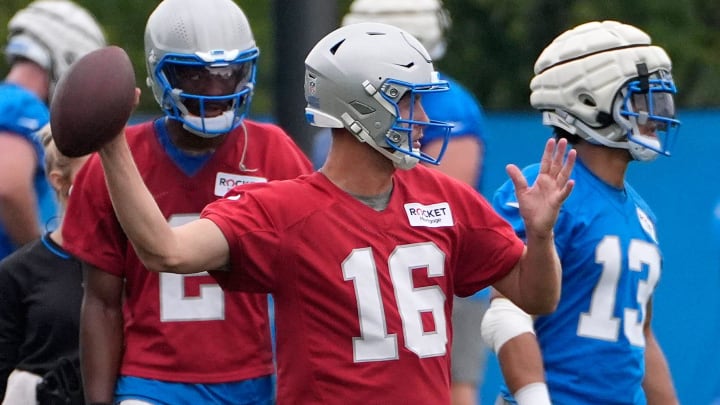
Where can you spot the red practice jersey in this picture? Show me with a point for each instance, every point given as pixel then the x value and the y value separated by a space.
pixel 363 299
pixel 182 328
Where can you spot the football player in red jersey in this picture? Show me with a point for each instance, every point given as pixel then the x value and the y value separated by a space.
pixel 148 336
pixel 363 256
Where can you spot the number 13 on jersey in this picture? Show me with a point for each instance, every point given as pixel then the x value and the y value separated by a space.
pixel 599 322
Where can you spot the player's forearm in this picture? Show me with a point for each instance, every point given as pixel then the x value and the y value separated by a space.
pixel 511 334
pixel 135 208
pixel 521 362
pixel 540 275
pixel 101 332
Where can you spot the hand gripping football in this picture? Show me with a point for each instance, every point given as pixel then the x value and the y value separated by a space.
pixel 93 101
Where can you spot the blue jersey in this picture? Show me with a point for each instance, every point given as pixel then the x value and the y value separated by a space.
pixel 593 345
pixel 22 113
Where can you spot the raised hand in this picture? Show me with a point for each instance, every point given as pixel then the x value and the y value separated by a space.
pixel 540 204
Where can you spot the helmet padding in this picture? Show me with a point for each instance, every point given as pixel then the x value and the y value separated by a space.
pixel 53 34
pixel 582 83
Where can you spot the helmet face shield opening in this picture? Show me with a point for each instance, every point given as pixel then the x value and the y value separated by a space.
pixel 186 96
pixel 649 105
pixel 179 74
pixel 400 135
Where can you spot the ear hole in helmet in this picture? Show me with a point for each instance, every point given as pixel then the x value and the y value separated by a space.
pixel 587 100
pixel 604 118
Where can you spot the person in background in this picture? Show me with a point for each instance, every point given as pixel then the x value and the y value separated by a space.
pixel 608 90
pixel 429 22
pixel 45 38
pixel 363 256
pixel 153 338
pixel 40 295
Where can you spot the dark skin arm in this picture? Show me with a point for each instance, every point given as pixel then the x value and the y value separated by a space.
pixel 101 334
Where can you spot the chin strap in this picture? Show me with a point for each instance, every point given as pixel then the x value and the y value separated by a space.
pixel 565 121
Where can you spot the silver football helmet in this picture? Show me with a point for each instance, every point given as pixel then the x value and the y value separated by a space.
pixel 190 39
pixel 53 34
pixel 606 83
pixel 355 77
pixel 426 20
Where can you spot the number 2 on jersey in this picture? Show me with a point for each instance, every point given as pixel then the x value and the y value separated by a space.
pixel 374 342
pixel 599 322
pixel 175 305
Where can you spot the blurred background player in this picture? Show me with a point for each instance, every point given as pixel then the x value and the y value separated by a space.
pixel 429 22
pixel 363 256
pixel 598 346
pixel 155 338
pixel 44 39
pixel 41 290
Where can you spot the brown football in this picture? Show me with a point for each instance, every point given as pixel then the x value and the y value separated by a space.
pixel 93 101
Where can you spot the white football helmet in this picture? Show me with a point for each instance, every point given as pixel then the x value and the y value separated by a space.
pixel 426 20
pixel 53 34
pixel 606 83
pixel 213 35
pixel 355 77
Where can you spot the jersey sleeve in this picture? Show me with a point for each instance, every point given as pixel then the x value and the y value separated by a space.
pixel 489 250
pixel 253 241
pixel 91 232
